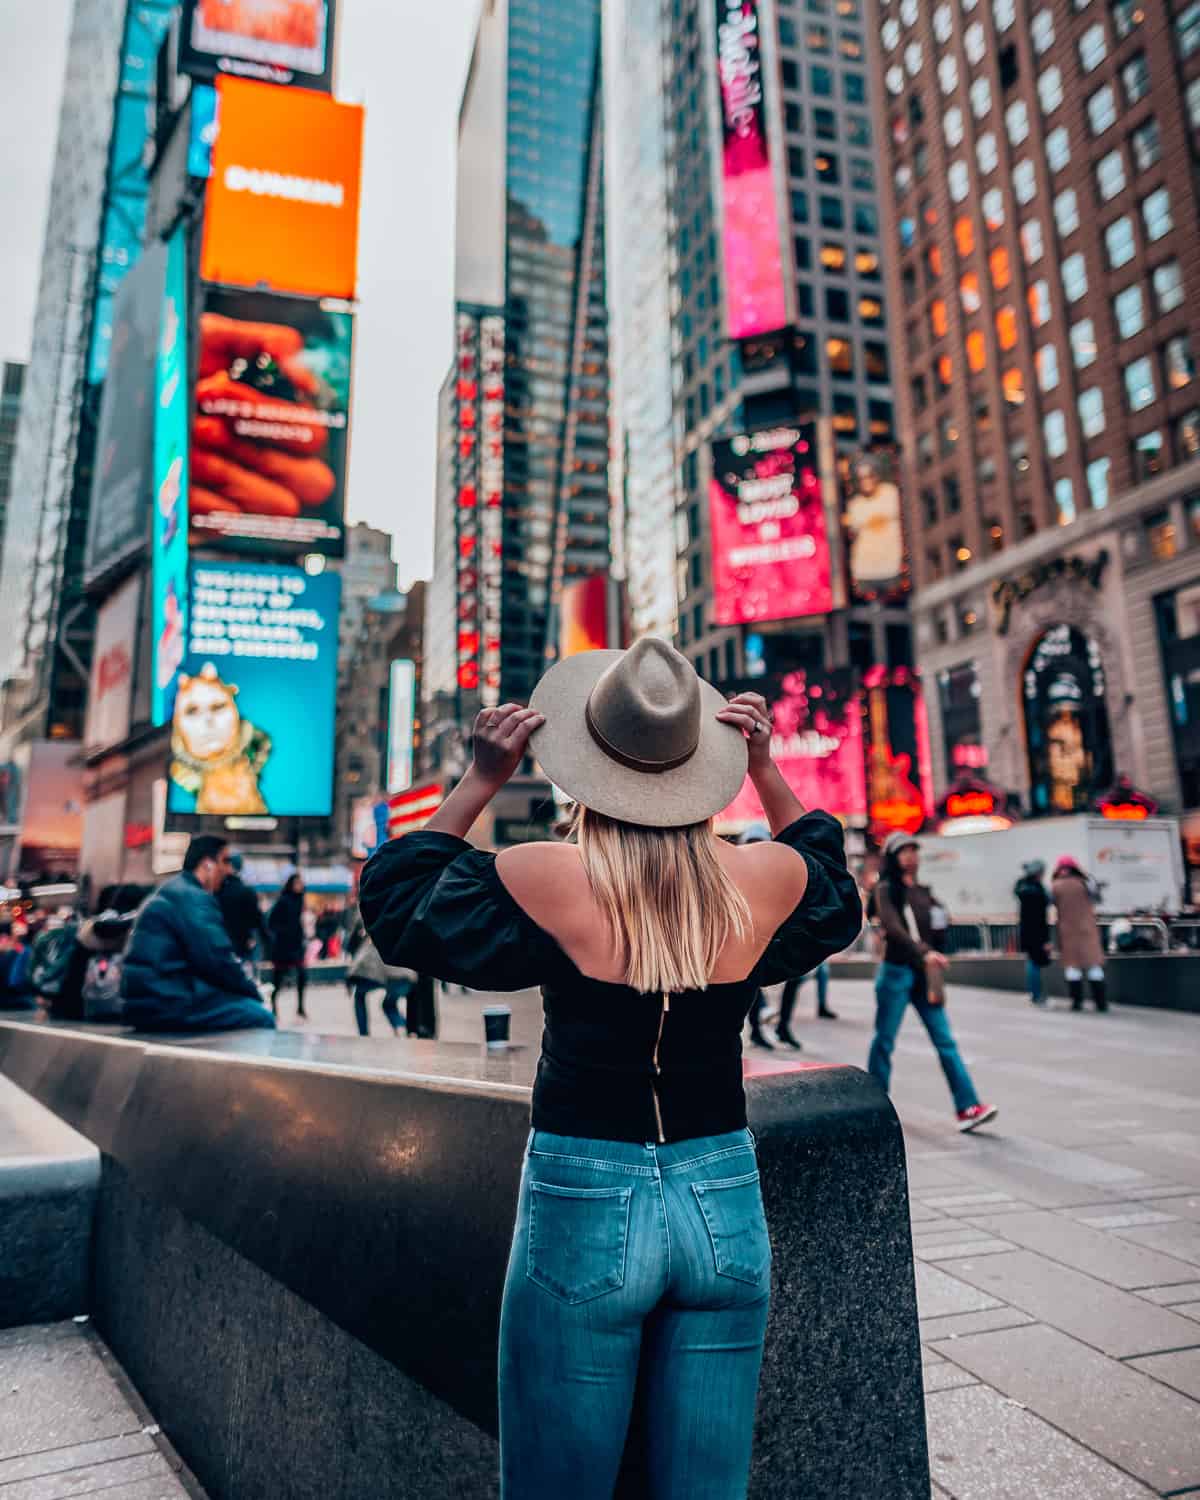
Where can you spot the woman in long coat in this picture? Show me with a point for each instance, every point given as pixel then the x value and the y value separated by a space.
pixel 1079 943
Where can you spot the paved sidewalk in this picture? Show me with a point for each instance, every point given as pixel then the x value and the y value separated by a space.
pixel 1058 1253
pixel 71 1425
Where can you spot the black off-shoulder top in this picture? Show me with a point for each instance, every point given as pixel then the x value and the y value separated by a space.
pixel 615 1064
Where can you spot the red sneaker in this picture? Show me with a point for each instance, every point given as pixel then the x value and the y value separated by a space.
pixel 977 1115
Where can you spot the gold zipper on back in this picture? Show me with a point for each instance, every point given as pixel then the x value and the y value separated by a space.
pixel 662 1016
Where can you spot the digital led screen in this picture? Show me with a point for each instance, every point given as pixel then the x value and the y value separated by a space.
pixel 252 731
pixel 169 512
pixel 402 709
pixel 269 438
pixel 281 207
pixel 770 546
pixel 278 41
pixel 755 287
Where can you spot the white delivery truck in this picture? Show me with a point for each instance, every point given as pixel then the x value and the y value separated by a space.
pixel 1139 866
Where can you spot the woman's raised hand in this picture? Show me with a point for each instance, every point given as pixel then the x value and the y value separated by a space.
pixel 500 737
pixel 749 713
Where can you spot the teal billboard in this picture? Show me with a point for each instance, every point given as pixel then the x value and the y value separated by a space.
pixel 169 519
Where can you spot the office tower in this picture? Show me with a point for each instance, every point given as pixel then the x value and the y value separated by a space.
pixel 12 383
pixel 93 235
pixel 529 408
pixel 1041 200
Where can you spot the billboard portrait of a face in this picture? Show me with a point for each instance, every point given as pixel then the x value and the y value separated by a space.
pixel 874 527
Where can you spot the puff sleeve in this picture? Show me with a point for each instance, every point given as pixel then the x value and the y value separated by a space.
pixel 434 903
pixel 829 917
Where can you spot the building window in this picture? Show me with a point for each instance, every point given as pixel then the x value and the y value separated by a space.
pixel 837 304
pixel 948 74
pixel 1119 242
pixel 1005 12
pixel 992 204
pixel 1091 411
pixel 1066 212
pixel 1031 241
pixel 893 78
pixel 1006 327
pixel 840 354
pixel 981 97
pixel 1058 148
pixel 973 41
pixel 1179 367
pixel 1092 48
pixel 799 207
pixel 1187 30
pixel 1160 535
pixel 1147 456
pixel 875 362
pixel 947 436
pixel 1016 121
pixel 1128 311
pixel 1110 175
pixel 1102 109
pixel 1038 298
pixel 827 168
pixel 1147 146
pixel 866 220
pixel 1127 15
pixel 1041 29
pixel 968 291
pixel 1192 97
pixel 1139 383
pixel 1167 281
pixel 1050 90
pixel 959 180
pixel 1013 386
pixel 1054 431
pixel 1083 343
pixel 1074 277
pixel 1024 181
pixel 1064 500
pixel 1187 429
pixel 1046 361
pixel 952 496
pixel 944 371
pixel 986 153
pixel 1097 482
pixel 850 45
pixel 803 250
pixel 1156 214
pixel 1135 78
pixel 831 212
pixel 929 507
pixel 976 351
pixel 820 81
pixel 795 161
pixel 999 268
pixel 854 88
pixel 858 130
pixel 866 263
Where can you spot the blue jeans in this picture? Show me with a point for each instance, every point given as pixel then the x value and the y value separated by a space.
pixel 1033 978
pixel 623 1255
pixel 894 986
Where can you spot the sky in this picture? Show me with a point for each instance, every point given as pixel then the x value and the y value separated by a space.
pixel 410 80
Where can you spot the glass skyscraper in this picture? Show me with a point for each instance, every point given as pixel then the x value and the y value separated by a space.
pixel 528 414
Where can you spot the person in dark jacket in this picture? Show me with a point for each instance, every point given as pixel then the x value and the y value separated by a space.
pixel 913 972
pixel 286 927
pixel 16 990
pixel 1033 926
pixel 181 973
pixel 241 914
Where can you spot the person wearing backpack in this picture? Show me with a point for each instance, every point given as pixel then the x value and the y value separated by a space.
pixel 16 988
pixel 103 939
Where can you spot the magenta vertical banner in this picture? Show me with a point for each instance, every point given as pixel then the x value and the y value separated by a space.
pixel 756 298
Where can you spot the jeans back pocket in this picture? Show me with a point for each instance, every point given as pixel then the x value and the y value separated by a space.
pixel 577 1239
pixel 737 1226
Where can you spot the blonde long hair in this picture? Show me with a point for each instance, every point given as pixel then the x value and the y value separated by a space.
pixel 666 899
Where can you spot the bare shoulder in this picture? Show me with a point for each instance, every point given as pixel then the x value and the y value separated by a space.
pixel 772 873
pixel 534 873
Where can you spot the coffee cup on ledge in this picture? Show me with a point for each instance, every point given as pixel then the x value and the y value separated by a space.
pixel 496 1022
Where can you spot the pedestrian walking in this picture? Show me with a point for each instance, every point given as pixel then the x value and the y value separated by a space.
pixel 913 972
pixel 368 972
pixel 1033 926
pixel 285 924
pixel 242 915
pixel 1079 945
pixel 180 973
pixel 640 1266
pixel 787 1004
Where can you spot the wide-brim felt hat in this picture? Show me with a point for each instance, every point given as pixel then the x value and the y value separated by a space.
pixel 634 735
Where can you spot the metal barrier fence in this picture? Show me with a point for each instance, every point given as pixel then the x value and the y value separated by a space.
pixel 967 937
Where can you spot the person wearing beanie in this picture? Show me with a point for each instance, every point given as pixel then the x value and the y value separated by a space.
pixel 1033 925
pixel 913 973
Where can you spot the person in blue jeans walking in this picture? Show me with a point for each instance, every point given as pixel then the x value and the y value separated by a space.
pixel 639 1276
pixel 913 973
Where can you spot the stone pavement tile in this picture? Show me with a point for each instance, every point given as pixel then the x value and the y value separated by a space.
pixel 54 1460
pixel 1110 1320
pixel 983 1447
pixel 1127 1217
pixel 55 1392
pixel 1101 1255
pixel 947 1229
pixel 939 1294
pixel 1156 1160
pixel 945 1377
pixel 1181 1239
pixel 1180 1369
pixel 145 1477
pixel 923 1177
pixel 965 1199
pixel 1181 1205
pixel 1121 1414
pixel 955 1325
pixel 1167 1296
pixel 953 1249
pixel 918 1213
pixel 1189 1310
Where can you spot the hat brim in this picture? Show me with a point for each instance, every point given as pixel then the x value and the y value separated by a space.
pixel 691 793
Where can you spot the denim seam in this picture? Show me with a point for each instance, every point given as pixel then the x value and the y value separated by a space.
pixel 700 1161
pixel 595 1164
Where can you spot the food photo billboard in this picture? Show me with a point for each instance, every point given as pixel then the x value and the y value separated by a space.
pixel 278 41
pixel 281 206
pixel 252 731
pixel 270 425
pixel 770 543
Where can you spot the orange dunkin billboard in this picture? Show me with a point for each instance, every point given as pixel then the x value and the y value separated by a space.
pixel 282 206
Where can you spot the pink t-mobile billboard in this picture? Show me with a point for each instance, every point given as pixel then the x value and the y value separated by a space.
pixel 756 299
pixel 770 546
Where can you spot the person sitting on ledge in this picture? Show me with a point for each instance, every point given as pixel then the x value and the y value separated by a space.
pixel 181 973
